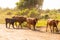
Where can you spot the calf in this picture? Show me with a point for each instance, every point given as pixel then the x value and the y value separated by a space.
pixel 31 21
pixel 52 23
pixel 10 21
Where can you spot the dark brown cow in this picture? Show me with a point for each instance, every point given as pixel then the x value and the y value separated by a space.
pixel 31 21
pixel 10 21
pixel 52 23
pixel 19 19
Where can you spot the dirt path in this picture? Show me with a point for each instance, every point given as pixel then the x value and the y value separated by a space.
pixel 25 34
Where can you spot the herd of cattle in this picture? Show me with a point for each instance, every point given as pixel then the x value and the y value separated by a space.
pixel 31 21
pixel 21 19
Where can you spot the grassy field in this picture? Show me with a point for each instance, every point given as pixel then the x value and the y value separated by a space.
pixel 41 22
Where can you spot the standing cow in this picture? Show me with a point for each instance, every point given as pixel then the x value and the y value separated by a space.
pixel 9 21
pixel 53 24
pixel 31 21
pixel 20 20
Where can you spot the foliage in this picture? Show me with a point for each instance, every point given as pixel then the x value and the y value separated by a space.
pixel 30 13
pixel 58 10
pixel 41 23
pixel 22 4
pixel 46 16
pixel 47 11
pixel 34 13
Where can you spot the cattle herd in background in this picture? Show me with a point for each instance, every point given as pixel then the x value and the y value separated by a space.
pixel 20 20
pixel 30 21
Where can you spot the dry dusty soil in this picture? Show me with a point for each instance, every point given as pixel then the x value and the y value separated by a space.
pixel 26 34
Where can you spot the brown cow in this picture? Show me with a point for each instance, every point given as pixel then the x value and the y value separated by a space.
pixel 19 19
pixel 31 21
pixel 52 23
pixel 9 21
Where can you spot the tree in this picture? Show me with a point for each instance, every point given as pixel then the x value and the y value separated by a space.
pixel 58 10
pixel 22 4
pixel 47 11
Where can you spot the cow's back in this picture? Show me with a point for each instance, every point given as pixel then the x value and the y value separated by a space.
pixel 31 21
pixel 20 18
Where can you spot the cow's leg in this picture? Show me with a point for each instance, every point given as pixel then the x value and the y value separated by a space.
pixel 46 27
pixel 50 28
pixel 21 25
pixel 9 25
pixel 57 29
pixel 34 27
pixel 53 28
pixel 13 25
pixel 6 24
pixel 29 26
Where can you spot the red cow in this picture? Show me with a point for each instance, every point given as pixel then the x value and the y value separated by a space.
pixel 52 23
pixel 31 21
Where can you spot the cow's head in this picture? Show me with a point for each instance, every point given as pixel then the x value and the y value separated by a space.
pixel 57 21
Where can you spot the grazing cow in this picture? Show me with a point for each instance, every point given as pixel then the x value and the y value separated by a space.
pixel 31 21
pixel 52 23
pixel 19 19
pixel 10 21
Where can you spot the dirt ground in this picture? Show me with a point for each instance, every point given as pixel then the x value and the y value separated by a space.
pixel 26 34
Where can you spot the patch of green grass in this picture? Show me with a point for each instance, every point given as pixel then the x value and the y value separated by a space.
pixel 41 23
